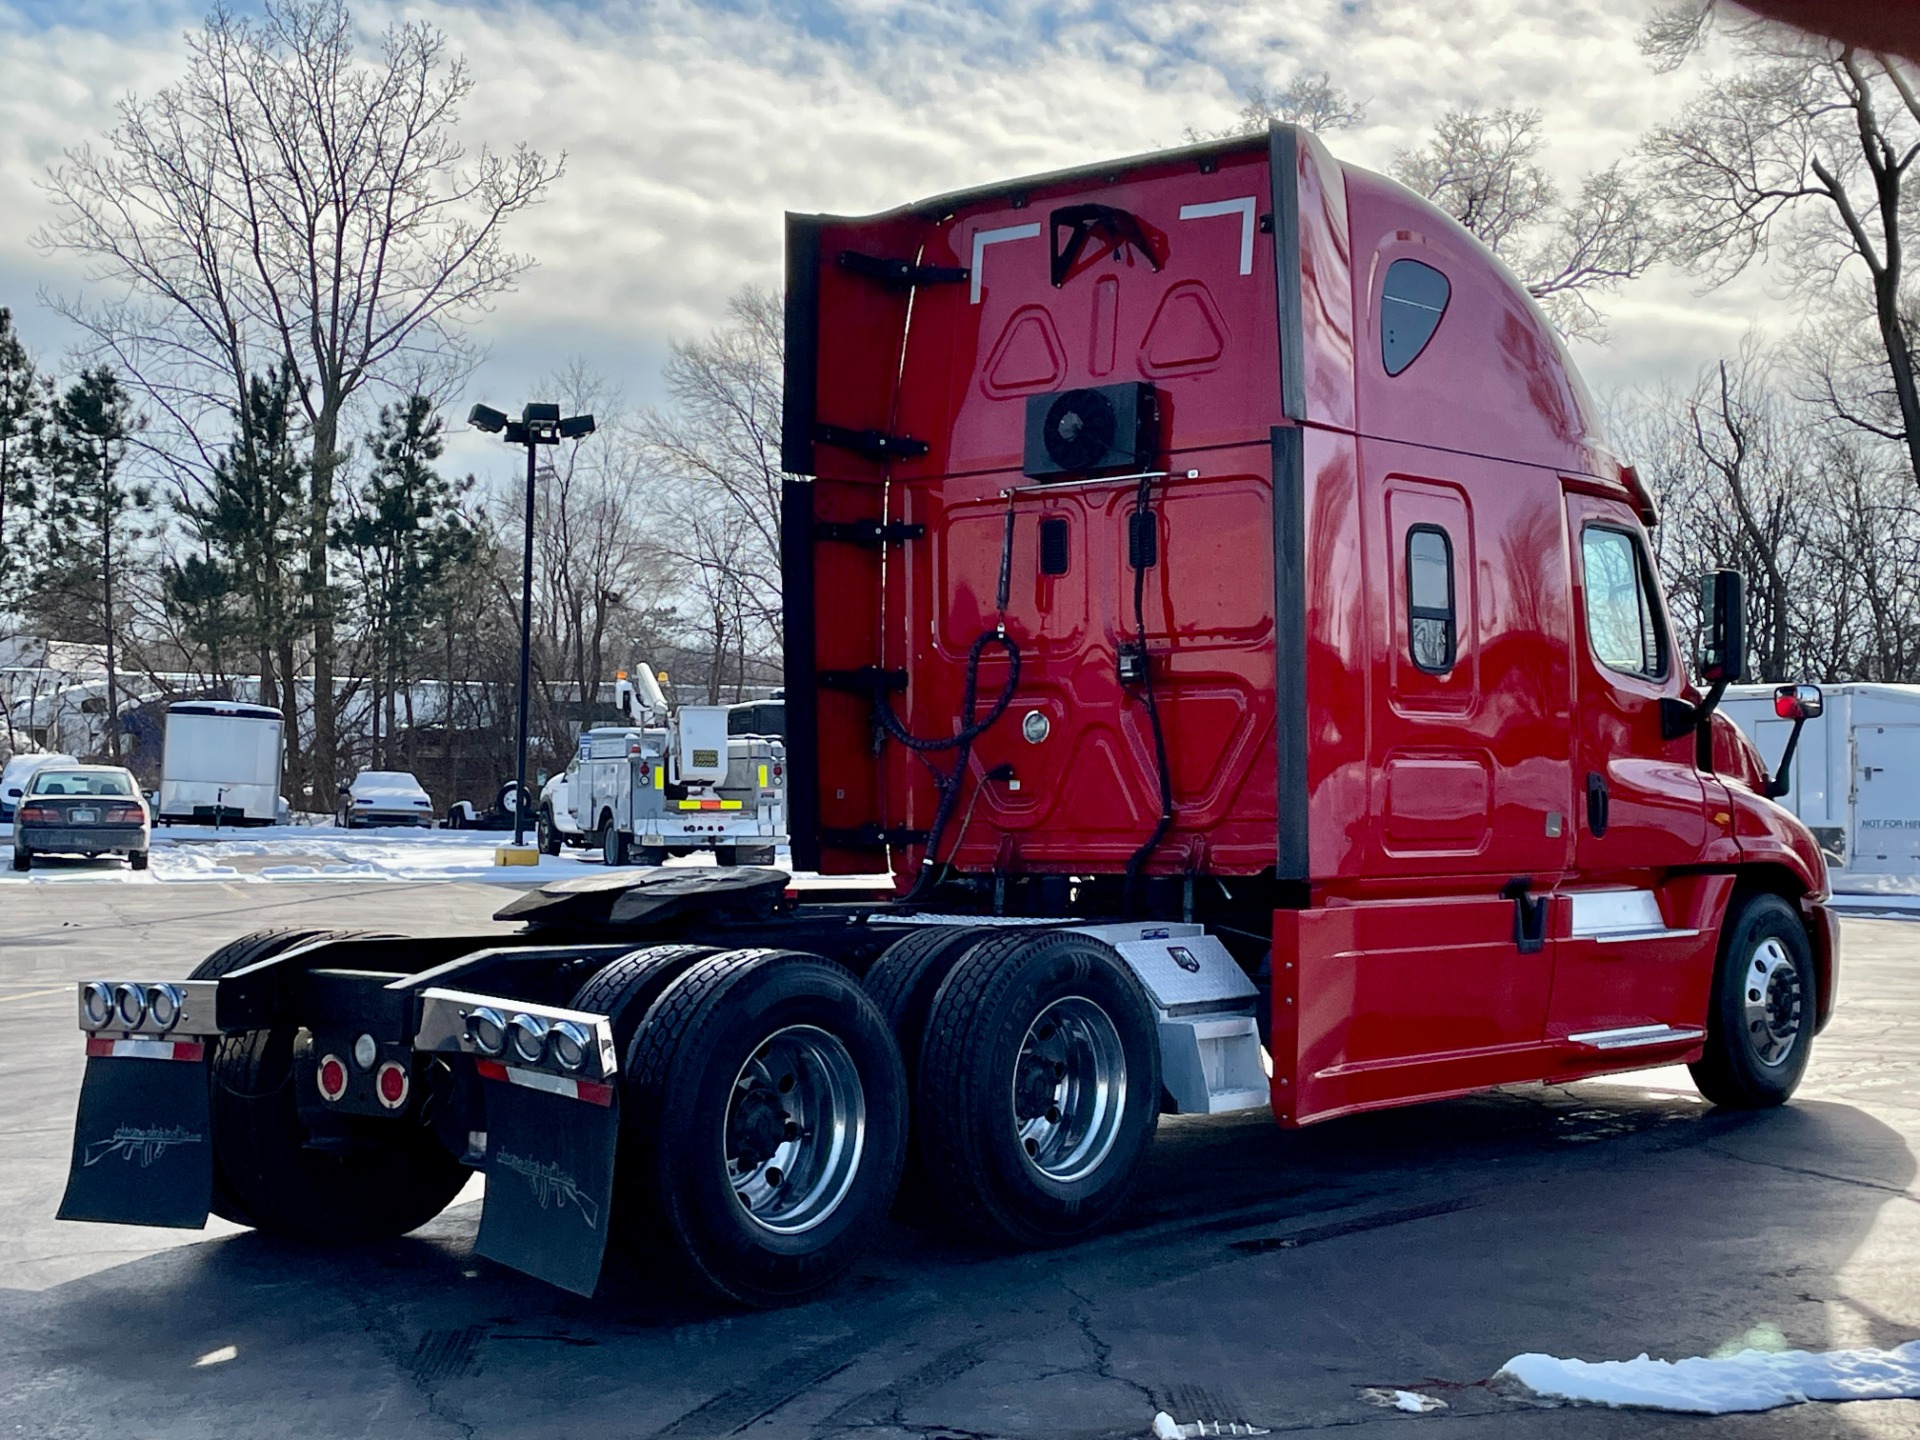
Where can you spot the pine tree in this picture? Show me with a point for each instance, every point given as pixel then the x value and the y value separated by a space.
pixel 23 413
pixel 83 518
pixel 407 531
pixel 243 588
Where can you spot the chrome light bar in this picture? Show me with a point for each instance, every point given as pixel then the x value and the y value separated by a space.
pixel 537 1037
pixel 142 1007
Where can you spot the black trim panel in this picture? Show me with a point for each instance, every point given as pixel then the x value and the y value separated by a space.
pixel 1283 155
pixel 802 690
pixel 1291 861
pixel 799 382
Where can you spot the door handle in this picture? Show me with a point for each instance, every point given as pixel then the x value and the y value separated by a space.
pixel 1596 803
pixel 1871 770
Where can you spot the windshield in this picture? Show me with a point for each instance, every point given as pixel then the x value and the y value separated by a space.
pixel 81 782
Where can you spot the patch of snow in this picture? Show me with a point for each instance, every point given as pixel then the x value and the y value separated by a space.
pixel 1412 1402
pixel 1725 1384
pixel 1165 1427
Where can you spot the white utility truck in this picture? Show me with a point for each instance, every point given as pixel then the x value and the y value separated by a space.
pixel 675 781
pixel 220 764
pixel 1855 777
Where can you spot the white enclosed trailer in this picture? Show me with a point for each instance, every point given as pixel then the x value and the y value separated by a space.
pixel 1855 779
pixel 221 764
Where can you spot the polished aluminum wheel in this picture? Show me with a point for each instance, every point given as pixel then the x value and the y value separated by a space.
pixel 796 1126
pixel 1774 996
pixel 1069 1089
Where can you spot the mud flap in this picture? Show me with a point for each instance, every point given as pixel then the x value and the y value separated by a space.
pixel 143 1142
pixel 549 1184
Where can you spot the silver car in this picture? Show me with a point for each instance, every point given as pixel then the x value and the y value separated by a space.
pixel 81 810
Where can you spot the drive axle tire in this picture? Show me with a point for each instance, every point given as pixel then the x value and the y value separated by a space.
pixel 769 1102
pixel 902 983
pixel 1760 1014
pixel 1038 1087
pixel 625 990
pixel 394 1178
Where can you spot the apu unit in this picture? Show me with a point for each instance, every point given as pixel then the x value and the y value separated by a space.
pixel 1096 430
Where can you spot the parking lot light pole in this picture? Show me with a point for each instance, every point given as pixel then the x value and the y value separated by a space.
pixel 539 424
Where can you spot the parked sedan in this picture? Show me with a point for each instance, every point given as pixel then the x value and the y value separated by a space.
pixel 384 797
pixel 19 770
pixel 81 810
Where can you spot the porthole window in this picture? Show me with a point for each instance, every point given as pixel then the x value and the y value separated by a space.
pixel 1430 607
pixel 1412 301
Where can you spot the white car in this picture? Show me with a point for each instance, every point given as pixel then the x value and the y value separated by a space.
pixel 384 797
pixel 19 770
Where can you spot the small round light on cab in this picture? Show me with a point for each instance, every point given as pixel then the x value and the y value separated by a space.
pixel 1035 726
pixel 365 1051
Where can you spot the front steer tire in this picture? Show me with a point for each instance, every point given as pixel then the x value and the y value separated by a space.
pixel 1760 1013
pixel 754 1060
pixel 394 1179
pixel 1038 1089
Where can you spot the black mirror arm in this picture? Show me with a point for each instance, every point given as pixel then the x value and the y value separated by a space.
pixel 1782 779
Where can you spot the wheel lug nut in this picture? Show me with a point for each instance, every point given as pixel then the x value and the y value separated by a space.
pixel 1033 1147
pixel 774 1177
pixel 1053 1114
pixel 786 1084
pixel 792 1130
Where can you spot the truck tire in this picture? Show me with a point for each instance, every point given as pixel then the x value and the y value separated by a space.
pixel 395 1180
pixel 1039 1087
pixel 902 984
pixel 1760 1013
pixel 625 990
pixel 768 1101
pixel 546 834
pixel 613 844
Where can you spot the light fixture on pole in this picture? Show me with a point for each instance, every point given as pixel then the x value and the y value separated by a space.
pixel 539 424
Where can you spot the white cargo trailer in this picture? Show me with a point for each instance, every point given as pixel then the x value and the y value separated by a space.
pixel 1855 779
pixel 221 764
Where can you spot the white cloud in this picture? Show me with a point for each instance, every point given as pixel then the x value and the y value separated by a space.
pixel 690 128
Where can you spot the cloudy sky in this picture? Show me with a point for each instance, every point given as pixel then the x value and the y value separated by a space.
pixel 689 128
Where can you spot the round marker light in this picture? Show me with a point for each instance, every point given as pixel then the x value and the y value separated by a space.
pixel 163 1006
pixel 96 1003
pixel 487 1028
pixel 529 1034
pixel 1035 726
pixel 365 1052
pixel 130 1003
pixel 391 1085
pixel 568 1044
pixel 332 1077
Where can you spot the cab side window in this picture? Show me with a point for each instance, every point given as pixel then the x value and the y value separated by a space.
pixel 1430 604
pixel 1624 624
pixel 1413 298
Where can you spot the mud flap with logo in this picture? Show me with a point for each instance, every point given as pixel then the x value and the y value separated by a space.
pixel 549 1184
pixel 143 1142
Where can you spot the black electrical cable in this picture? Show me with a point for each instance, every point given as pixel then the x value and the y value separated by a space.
pixel 948 783
pixel 1143 505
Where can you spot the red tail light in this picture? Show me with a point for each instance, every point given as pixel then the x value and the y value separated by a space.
pixel 39 815
pixel 127 815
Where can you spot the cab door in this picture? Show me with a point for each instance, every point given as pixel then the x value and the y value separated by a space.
pixel 1640 803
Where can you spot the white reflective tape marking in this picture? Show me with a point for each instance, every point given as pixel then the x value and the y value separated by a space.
pixel 144 1049
pixel 552 1084
pixel 984 238
pixel 1213 209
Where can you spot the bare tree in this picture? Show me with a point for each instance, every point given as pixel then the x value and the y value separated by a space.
pixel 715 460
pixel 1805 155
pixel 1310 99
pixel 286 201
pixel 1481 169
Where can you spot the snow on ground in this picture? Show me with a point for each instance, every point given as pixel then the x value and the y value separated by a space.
pixel 277 853
pixel 1723 1384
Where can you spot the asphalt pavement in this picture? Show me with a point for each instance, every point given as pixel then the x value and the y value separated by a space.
pixel 1285 1281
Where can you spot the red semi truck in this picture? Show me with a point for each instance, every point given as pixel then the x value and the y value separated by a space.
pixel 1213 602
